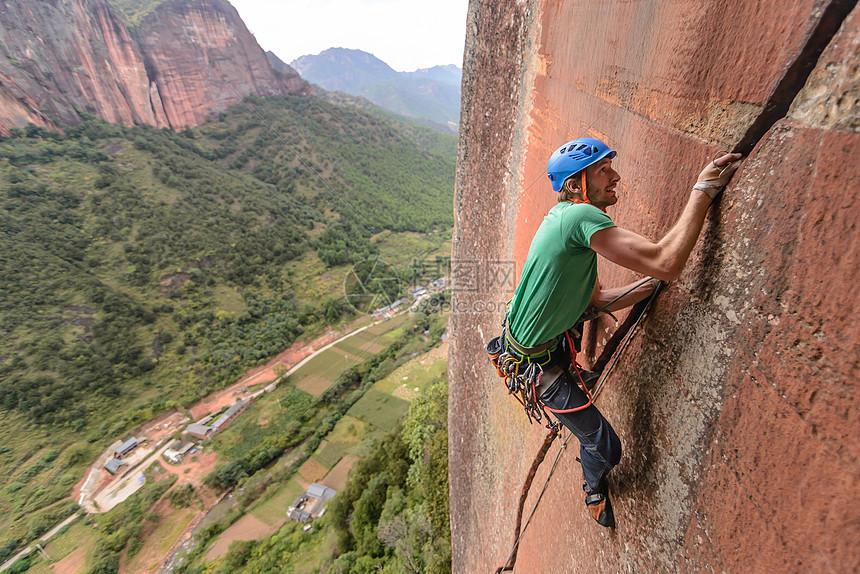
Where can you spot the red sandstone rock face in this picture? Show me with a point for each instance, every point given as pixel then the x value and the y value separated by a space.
pixel 62 56
pixel 737 404
pixel 191 58
pixel 202 59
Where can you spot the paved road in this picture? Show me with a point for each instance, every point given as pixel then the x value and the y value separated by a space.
pixel 41 540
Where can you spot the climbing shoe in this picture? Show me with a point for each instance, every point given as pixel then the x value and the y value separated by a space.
pixel 599 506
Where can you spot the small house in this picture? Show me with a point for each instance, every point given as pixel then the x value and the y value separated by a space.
pixel 126 447
pixel 321 494
pixel 311 503
pixel 175 455
pixel 199 430
pixel 298 515
pixel 114 464
pixel 230 414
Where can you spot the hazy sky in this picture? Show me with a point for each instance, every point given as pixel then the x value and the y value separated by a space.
pixel 405 34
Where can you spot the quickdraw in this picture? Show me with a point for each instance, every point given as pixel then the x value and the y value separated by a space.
pixel 521 383
pixel 523 386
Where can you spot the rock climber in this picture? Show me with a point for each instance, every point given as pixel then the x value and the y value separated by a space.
pixel 559 284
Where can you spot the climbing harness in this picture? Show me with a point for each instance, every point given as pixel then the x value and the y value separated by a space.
pixel 522 369
pixel 628 329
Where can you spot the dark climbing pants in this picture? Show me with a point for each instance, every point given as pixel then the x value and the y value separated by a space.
pixel 600 448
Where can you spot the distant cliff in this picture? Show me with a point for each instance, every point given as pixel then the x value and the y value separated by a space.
pixel 737 403
pixel 279 65
pixel 186 60
pixel 431 94
pixel 202 58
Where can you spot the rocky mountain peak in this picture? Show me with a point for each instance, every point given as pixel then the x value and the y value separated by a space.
pixel 431 95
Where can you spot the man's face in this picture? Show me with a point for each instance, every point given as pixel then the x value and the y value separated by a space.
pixel 601 180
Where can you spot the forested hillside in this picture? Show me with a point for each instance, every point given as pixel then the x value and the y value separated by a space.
pixel 376 172
pixel 144 268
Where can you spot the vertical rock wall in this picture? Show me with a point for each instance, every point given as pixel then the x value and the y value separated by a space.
pixel 60 57
pixel 202 58
pixel 190 59
pixel 737 403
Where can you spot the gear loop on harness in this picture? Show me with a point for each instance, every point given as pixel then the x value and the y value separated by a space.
pixel 522 369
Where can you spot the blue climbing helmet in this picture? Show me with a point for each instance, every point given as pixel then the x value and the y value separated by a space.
pixel 573 157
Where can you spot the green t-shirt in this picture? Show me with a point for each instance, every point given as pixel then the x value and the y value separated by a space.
pixel 559 274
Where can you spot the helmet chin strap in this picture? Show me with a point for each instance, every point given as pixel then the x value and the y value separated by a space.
pixel 585 190
pixel 585 195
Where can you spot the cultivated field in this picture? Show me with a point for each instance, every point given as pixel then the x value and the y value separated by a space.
pixel 361 344
pixel 68 550
pixel 336 478
pixel 382 410
pixel 273 510
pixel 313 384
pixel 410 378
pixel 160 537
pixel 329 364
pixel 311 471
pixel 249 527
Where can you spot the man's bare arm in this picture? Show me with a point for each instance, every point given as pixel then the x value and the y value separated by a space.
pixel 666 258
pixel 601 298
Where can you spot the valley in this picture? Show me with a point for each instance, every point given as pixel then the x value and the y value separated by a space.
pixel 146 309
pixel 208 278
pixel 166 540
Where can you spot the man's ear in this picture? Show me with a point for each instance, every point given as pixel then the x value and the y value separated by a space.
pixel 572 184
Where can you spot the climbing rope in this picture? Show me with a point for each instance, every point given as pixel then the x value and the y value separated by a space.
pixel 627 338
pixel 554 431
pixel 589 315
pixel 512 557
